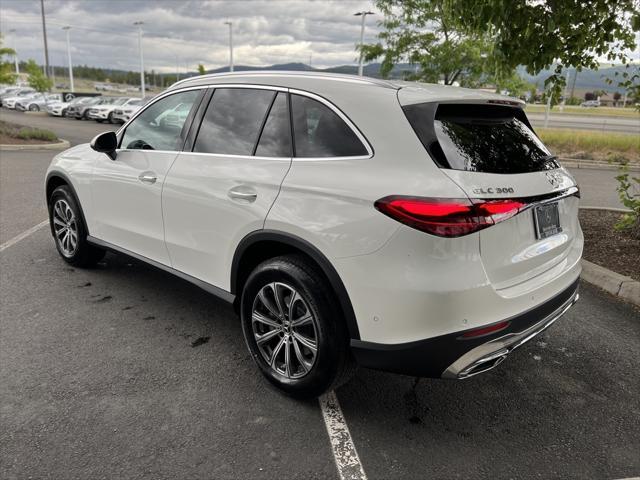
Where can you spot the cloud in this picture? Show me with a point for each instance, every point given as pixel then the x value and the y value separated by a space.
pixel 188 32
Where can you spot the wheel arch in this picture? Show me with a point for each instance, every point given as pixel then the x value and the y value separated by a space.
pixel 55 179
pixel 261 245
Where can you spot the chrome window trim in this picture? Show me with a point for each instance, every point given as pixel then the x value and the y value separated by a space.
pixel 293 91
pixel 244 157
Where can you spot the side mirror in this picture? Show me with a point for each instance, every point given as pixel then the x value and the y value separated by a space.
pixel 106 142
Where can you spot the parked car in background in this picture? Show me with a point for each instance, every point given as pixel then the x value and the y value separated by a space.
pixel 68 108
pixel 420 229
pixel 15 92
pixel 102 113
pixel 60 109
pixel 124 113
pixel 38 102
pixel 590 103
pixel 10 102
pixel 80 111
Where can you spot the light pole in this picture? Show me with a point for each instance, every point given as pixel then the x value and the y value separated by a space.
pixel 15 55
pixel 362 14
pixel 139 25
pixel 44 35
pixel 66 29
pixel 230 45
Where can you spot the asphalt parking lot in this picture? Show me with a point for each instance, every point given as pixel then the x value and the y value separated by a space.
pixel 127 372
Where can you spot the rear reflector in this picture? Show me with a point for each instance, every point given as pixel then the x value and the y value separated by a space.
pixel 479 332
pixel 447 217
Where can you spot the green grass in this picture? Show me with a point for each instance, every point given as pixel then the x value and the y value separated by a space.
pixel 26 133
pixel 36 134
pixel 628 112
pixel 594 145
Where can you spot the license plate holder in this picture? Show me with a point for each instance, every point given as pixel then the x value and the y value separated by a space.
pixel 546 219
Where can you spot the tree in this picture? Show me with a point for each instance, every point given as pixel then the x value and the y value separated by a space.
pixel 37 80
pixel 201 70
pixel 616 98
pixel 550 33
pixel 422 32
pixel 6 69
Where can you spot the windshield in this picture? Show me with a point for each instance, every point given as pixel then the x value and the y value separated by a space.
pixel 480 138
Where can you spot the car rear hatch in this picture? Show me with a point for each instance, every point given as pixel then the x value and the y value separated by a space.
pixel 489 149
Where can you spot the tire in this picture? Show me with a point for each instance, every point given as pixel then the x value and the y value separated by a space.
pixel 307 373
pixel 34 108
pixel 99 120
pixel 66 222
pixel 110 118
pixel 79 118
pixel 85 116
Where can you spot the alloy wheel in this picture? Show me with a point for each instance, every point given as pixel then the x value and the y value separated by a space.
pixel 65 227
pixel 285 330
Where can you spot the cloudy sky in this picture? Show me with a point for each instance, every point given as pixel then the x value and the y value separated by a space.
pixel 188 32
pixel 183 33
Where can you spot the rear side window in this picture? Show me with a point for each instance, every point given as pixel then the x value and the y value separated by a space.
pixel 479 138
pixel 275 140
pixel 320 132
pixel 233 120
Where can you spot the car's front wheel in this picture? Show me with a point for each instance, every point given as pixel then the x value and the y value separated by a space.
pixel 34 108
pixel 293 329
pixel 69 231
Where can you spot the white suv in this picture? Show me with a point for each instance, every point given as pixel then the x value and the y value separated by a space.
pixel 414 228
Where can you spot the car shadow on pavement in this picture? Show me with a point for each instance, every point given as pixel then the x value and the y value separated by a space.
pixel 566 405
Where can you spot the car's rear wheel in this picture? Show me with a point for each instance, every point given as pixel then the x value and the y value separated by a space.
pixel 69 231
pixel 293 329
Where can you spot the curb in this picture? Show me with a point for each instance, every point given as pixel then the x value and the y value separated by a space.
pixel 626 288
pixel 61 145
pixel 576 163
pixel 606 209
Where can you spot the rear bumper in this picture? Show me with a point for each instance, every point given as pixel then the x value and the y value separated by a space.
pixel 453 356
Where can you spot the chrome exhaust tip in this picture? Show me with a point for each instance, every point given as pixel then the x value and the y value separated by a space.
pixel 483 364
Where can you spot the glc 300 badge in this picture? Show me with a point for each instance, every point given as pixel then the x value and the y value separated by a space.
pixel 492 190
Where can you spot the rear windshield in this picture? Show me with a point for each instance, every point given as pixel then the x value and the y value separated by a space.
pixel 479 138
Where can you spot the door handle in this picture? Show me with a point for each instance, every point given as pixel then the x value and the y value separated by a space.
pixel 148 177
pixel 243 193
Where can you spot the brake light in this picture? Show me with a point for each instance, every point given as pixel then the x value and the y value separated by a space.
pixel 447 217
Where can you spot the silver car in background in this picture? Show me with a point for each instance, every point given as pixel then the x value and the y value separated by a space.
pixel 38 102
pixel 124 113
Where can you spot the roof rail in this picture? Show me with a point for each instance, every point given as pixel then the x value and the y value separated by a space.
pixel 285 73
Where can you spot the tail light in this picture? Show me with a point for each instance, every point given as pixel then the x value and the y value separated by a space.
pixel 447 217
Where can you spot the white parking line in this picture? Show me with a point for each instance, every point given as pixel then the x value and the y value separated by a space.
pixel 23 235
pixel 344 451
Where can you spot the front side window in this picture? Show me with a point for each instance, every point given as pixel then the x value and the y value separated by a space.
pixel 320 132
pixel 161 125
pixel 233 120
